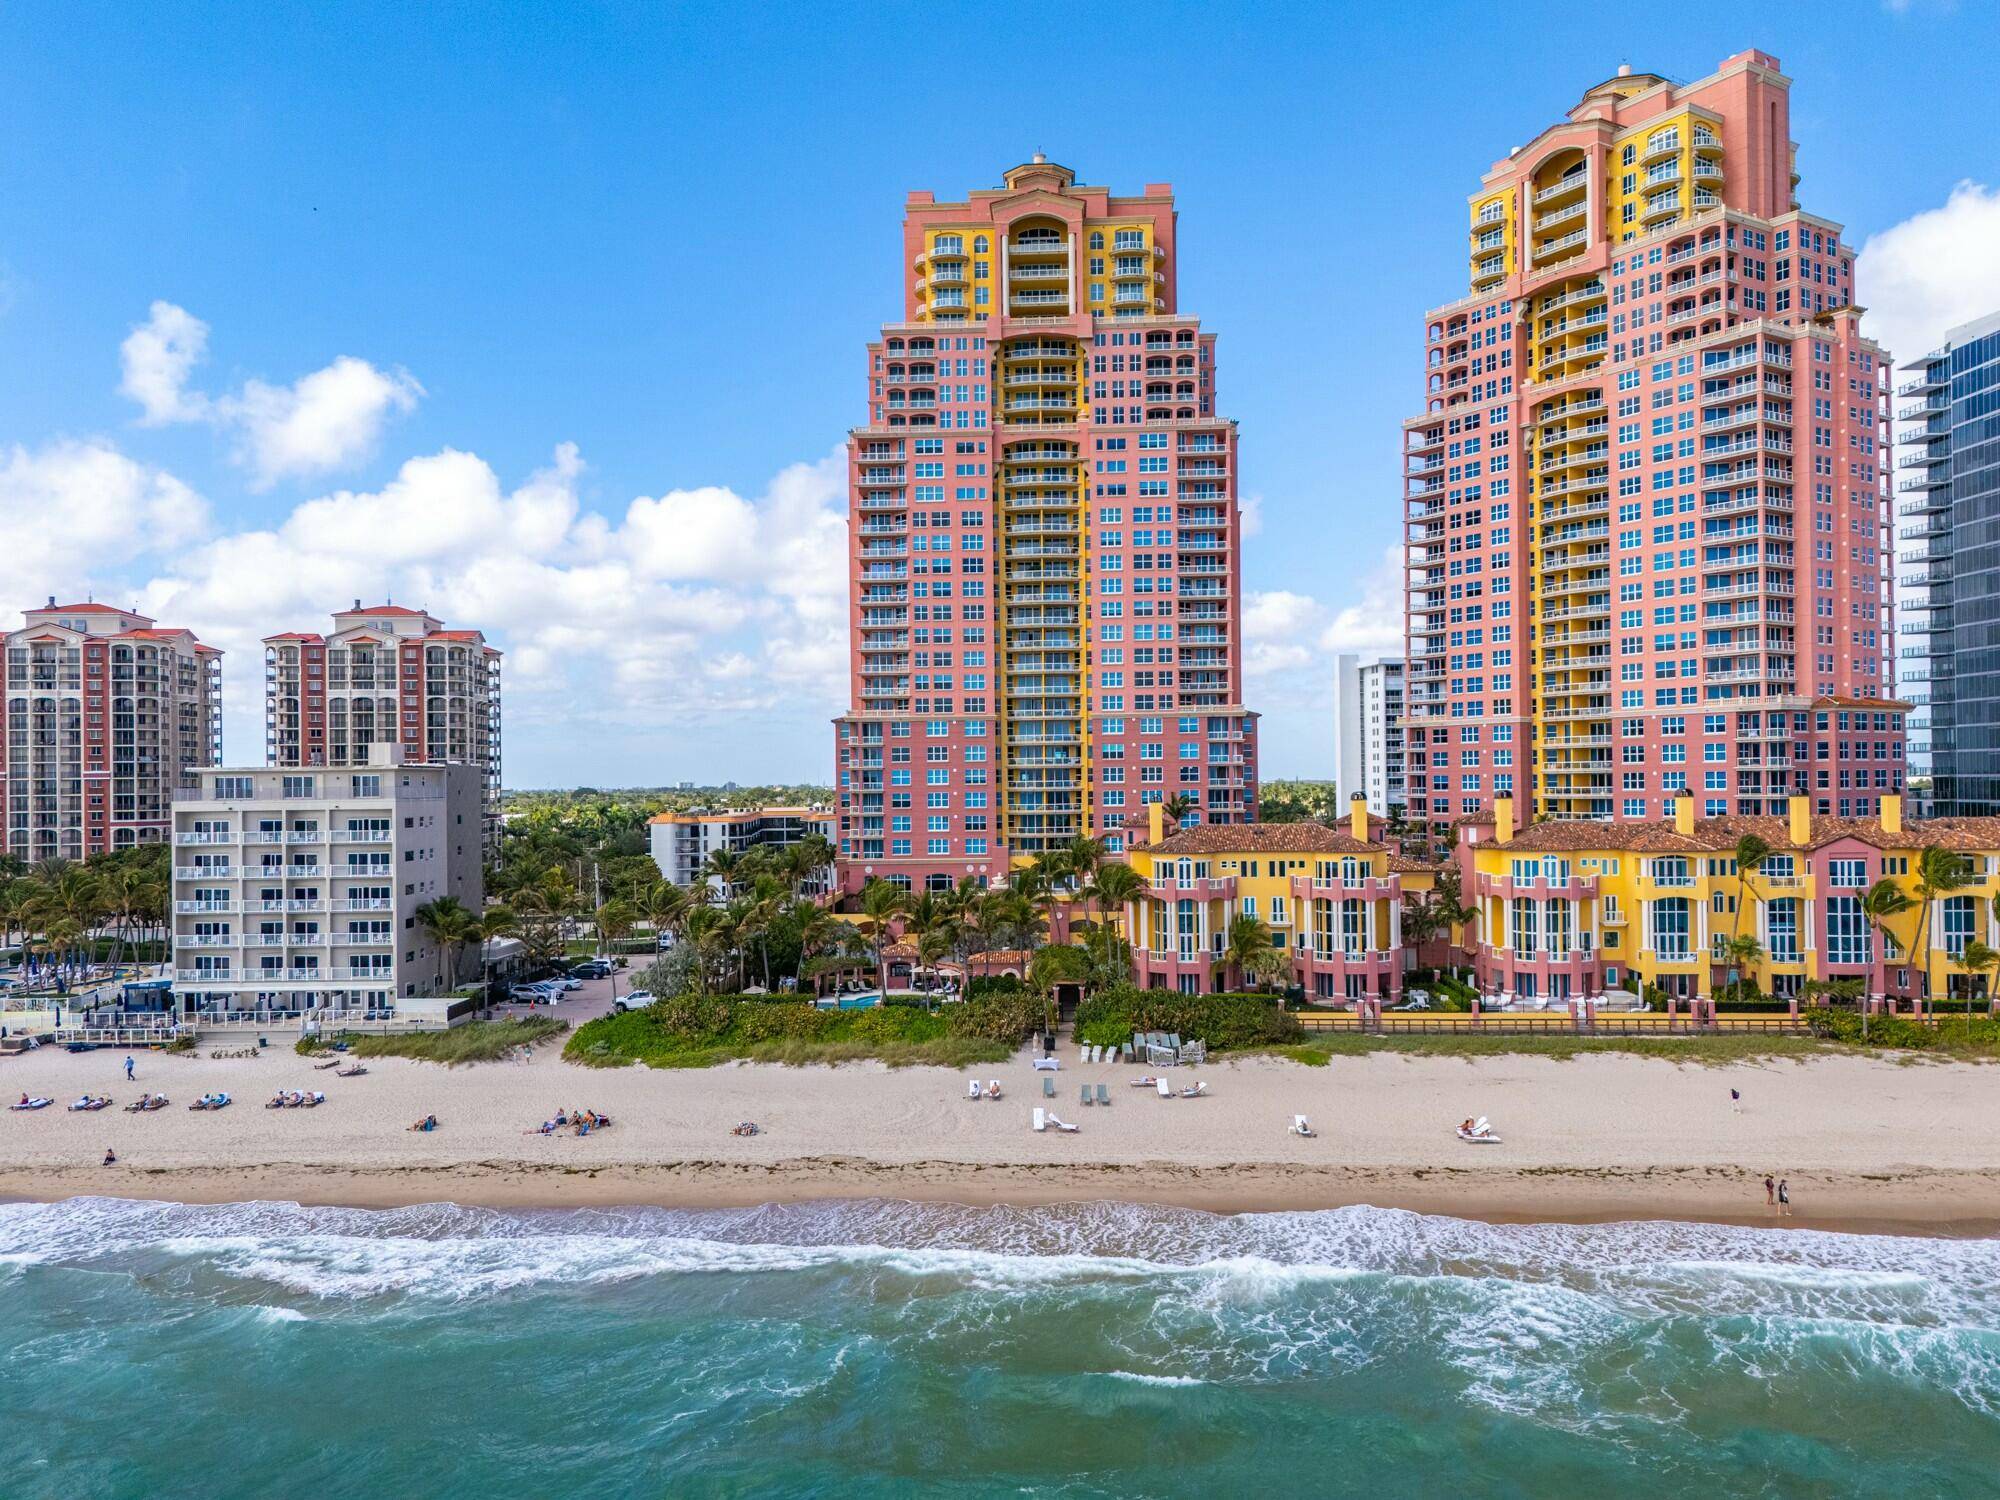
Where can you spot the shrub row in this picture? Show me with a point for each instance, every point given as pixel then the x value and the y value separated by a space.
pixel 684 1027
pixel 1952 1032
pixel 1225 1022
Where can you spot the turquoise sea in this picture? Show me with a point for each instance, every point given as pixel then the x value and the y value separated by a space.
pixel 871 1349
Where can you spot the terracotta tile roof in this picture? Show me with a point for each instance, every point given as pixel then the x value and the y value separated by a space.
pixel 294 635
pixel 379 609
pixel 1263 838
pixel 1402 864
pixel 1715 835
pixel 89 609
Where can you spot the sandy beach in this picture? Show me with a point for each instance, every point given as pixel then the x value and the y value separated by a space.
pixel 1866 1143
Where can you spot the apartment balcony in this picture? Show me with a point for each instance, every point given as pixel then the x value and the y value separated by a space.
pixel 1206 888
pixel 1539 889
pixel 1337 888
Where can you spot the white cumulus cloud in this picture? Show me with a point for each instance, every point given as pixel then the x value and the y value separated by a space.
pixel 322 422
pixel 73 510
pixel 1934 270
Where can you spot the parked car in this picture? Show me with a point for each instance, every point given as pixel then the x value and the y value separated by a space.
pixel 592 968
pixel 544 993
pixel 637 1000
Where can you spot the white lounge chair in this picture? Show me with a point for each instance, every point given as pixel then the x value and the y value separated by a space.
pixel 1090 1054
pixel 972 1088
pixel 1062 1124
pixel 1047 1065
pixel 1301 1126
pixel 1166 1089
pixel 1199 1091
pixel 1041 1118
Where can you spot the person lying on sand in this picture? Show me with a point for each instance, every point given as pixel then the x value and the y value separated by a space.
pixel 748 1127
pixel 428 1122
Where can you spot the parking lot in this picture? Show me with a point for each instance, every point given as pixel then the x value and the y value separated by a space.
pixel 578 1006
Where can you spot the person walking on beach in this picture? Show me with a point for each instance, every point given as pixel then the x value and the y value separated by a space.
pixel 1784 1199
pixel 1735 1102
pixel 1770 1192
pixel 129 1075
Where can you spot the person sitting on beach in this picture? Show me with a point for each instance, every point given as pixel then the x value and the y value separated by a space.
pixel 748 1127
pixel 1466 1127
pixel 561 1119
pixel 110 1157
pixel 993 1088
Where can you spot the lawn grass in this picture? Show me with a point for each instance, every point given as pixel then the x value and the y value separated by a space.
pixel 476 1041
pixel 940 1052
pixel 1703 1050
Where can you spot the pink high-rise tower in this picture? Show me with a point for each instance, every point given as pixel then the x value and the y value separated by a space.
pixel 1045 547
pixel 1647 498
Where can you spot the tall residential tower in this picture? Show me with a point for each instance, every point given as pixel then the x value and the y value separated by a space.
pixel 1044 576
pixel 388 676
pixel 1952 519
pixel 106 715
pixel 1646 497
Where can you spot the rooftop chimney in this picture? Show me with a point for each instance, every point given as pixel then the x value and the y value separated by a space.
pixel 1357 815
pixel 1800 820
pixel 1503 820
pixel 1892 814
pixel 1684 813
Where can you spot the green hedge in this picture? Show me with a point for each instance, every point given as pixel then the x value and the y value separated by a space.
pixel 1225 1022
pixel 1953 1032
pixel 691 1030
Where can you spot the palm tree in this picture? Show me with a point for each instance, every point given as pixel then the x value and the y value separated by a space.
pixel 819 930
pixel 1940 871
pixel 1008 917
pixel 1114 889
pixel 1881 902
pixel 451 927
pixel 1245 947
pixel 726 866
pixel 1177 809
pixel 1742 950
pixel 808 857
pixel 615 919
pixel 704 930
pixel 925 916
pixel 1977 958
pixel 881 903
pixel 1751 852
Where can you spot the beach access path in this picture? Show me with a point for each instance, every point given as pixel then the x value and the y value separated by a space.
pixel 1865 1142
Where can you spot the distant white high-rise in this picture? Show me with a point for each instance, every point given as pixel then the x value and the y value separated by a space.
pixel 1368 730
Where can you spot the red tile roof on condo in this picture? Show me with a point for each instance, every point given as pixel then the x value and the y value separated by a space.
pixel 1719 835
pixel 1263 838
pixel 379 609
pixel 295 635
pixel 93 609
pixel 456 635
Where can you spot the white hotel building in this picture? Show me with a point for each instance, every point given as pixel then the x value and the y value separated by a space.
pixel 295 891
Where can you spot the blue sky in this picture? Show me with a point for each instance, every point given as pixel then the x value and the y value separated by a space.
pixel 550 319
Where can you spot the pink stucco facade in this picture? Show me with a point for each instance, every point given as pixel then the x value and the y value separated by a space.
pixel 1646 500
pixel 1045 545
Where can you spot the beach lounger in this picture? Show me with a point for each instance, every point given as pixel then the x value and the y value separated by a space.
pixel 1048 1088
pixel 1061 1124
pixel 1199 1091
pixel 1103 1094
pixel 972 1088
pixel 1041 1118
pixel 1194 1052
pixel 1174 1041
pixel 1090 1054
pixel 1128 1052
pixel 1086 1095
pixel 1166 1089
pixel 1047 1065
pixel 1301 1126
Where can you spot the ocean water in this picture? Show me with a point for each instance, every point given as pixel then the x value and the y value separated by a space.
pixel 873 1349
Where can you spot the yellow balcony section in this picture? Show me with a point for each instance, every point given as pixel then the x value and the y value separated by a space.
pixel 1492 237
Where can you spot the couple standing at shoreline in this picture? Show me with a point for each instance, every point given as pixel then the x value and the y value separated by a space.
pixel 1778 1195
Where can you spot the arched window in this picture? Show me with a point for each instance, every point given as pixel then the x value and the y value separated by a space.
pixel 979 244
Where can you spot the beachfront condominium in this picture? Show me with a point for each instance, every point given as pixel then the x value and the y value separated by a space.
pixel 682 842
pixel 1572 909
pixel 1949 501
pixel 296 891
pixel 1044 570
pixel 1646 499
pixel 106 713
pixel 1368 731
pixel 385 676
